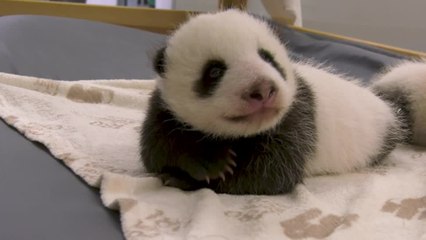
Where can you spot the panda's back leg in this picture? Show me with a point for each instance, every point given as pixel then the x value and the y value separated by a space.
pixel 404 86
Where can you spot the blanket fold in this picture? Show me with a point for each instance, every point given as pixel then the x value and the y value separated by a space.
pixel 93 126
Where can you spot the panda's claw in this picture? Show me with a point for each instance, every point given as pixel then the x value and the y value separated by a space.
pixel 166 182
pixel 232 153
pixel 222 176
pixel 214 169
pixel 229 170
pixel 232 162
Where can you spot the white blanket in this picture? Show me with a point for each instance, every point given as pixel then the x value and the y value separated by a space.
pixel 93 126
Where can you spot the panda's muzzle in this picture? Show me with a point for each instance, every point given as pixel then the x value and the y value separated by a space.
pixel 259 102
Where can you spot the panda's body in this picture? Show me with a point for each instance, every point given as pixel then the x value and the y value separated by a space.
pixel 232 113
pixel 353 124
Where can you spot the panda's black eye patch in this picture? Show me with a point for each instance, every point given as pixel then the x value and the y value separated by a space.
pixel 160 62
pixel 269 58
pixel 211 74
pixel 266 55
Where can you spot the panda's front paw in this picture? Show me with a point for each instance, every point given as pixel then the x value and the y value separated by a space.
pixel 214 167
pixel 225 165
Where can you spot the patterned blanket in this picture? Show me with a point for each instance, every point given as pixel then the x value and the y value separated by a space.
pixel 93 127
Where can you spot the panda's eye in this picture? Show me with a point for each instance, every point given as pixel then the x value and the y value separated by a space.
pixel 212 73
pixel 266 56
pixel 269 58
pixel 216 72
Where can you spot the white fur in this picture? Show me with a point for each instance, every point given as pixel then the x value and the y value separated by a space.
pixel 351 122
pixel 411 78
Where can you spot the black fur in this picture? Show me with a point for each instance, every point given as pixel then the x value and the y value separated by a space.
pixel 402 131
pixel 399 101
pixel 268 163
pixel 212 73
pixel 269 58
pixel 160 62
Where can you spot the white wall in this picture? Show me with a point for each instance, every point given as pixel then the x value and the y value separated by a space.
pixel 212 5
pixel 102 2
pixel 397 22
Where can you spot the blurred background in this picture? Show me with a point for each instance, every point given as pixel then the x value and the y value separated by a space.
pixel 394 22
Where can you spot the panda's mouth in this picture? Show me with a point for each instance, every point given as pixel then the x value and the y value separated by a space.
pixel 263 114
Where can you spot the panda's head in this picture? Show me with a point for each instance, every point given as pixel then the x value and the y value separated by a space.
pixel 226 74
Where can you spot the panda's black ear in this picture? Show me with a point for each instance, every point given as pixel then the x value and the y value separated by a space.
pixel 160 62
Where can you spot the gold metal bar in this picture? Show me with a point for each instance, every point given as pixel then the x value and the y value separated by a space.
pixel 407 52
pixel 156 20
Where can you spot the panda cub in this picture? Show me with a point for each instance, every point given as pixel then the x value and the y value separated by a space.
pixel 231 111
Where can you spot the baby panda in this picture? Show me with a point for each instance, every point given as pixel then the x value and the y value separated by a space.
pixel 231 111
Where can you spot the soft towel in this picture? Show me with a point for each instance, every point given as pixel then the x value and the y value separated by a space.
pixel 93 126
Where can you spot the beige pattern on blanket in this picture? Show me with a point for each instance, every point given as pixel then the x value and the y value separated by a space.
pixel 93 126
pixel 407 208
pixel 300 227
pixel 90 95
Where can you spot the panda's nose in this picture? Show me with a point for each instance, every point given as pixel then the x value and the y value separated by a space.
pixel 262 91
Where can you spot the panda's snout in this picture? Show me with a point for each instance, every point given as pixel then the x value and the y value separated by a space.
pixel 260 93
pixel 258 102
